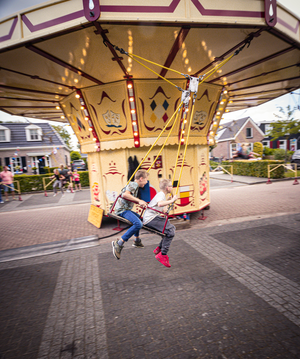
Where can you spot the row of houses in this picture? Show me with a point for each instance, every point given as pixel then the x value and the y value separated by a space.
pixel 246 130
pixel 29 148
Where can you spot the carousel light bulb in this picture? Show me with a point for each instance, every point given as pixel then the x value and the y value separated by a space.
pixel 94 139
pixel 86 118
pixel 135 134
pixel 226 110
pixel 62 116
pixel 218 113
pixel 77 95
pixel 131 99
pixel 134 123
pixel 82 107
pixel 225 92
pixel 136 142
pixel 221 103
pixel 90 129
pixel 129 86
pixel 132 111
pixel 182 140
pixel 185 121
pixel 96 146
pixel 57 107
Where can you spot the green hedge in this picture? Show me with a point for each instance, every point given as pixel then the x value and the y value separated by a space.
pixel 34 183
pixel 255 168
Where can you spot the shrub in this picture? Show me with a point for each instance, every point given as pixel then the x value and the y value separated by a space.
pixel 34 183
pixel 279 154
pixel 214 164
pixel 258 148
pixel 268 151
pixel 256 168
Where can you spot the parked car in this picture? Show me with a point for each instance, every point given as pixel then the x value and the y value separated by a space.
pixel 79 165
pixel 296 158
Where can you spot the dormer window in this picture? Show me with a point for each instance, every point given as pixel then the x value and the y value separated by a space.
pixel 4 134
pixel 33 133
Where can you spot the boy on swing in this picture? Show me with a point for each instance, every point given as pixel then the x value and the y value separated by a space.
pixel 154 220
pixel 123 209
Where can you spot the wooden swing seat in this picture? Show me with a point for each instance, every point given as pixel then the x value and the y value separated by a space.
pixel 112 215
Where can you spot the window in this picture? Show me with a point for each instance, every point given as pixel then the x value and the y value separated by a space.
pixel 268 128
pixel 16 164
pixel 282 144
pixel 293 144
pixel 249 132
pixel 4 134
pixel 233 148
pixel 266 143
pixel 33 133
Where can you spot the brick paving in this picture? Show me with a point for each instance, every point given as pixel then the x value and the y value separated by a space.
pixel 59 221
pixel 233 289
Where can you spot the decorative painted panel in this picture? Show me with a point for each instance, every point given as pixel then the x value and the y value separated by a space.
pixel 108 105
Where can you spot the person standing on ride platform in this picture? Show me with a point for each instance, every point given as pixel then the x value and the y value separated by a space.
pixel 123 209
pixel 154 220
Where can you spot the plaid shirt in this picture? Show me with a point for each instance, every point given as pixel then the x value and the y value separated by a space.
pixel 123 205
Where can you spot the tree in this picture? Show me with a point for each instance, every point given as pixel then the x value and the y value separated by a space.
pixel 64 134
pixel 75 155
pixel 286 126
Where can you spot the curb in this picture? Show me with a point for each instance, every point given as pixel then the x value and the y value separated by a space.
pixel 8 255
pixel 259 182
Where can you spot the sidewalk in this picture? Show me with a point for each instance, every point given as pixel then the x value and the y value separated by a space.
pixel 233 290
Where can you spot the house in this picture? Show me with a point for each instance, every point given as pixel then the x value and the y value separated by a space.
pixel 233 133
pixel 291 144
pixel 26 146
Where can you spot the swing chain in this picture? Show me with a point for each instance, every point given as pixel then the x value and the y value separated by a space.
pixel 248 42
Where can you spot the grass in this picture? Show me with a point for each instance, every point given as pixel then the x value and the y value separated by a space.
pixel 290 174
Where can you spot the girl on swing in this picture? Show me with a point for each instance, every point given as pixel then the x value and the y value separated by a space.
pixel 154 220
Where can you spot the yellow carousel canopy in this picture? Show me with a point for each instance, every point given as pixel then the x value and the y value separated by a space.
pixel 52 49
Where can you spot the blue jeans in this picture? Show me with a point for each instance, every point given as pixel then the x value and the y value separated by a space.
pixel 137 224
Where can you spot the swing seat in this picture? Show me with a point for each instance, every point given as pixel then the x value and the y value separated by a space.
pixel 112 215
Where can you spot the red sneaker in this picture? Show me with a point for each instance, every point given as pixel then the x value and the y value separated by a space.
pixel 163 259
pixel 157 250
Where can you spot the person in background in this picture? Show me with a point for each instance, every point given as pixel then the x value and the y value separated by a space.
pixel 76 177
pixel 8 180
pixel 1 191
pixel 58 182
pixel 69 178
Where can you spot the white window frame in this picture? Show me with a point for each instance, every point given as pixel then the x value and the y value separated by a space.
pixel 233 148
pixel 283 145
pixel 28 133
pixel 14 163
pixel 268 143
pixel 6 134
pixel 251 130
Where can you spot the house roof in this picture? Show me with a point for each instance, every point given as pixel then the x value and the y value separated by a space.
pixel 231 129
pixel 18 136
